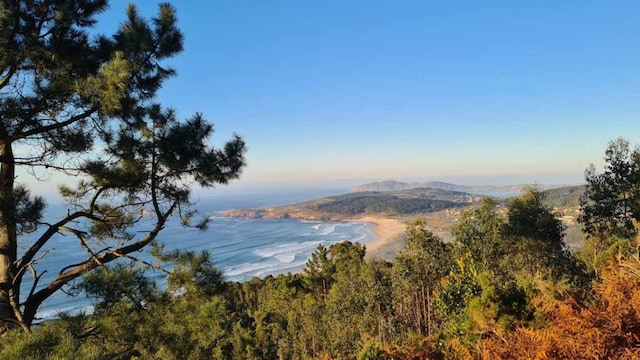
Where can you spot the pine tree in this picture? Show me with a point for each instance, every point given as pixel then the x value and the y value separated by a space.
pixel 84 106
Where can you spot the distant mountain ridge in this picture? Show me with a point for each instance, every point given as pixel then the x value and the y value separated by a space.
pixel 393 185
pixel 391 203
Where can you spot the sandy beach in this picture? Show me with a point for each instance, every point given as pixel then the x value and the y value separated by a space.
pixel 389 231
pixel 389 237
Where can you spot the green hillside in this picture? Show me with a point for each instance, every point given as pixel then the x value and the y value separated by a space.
pixel 405 202
pixel 568 196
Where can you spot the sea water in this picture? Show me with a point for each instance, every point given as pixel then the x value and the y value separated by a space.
pixel 241 248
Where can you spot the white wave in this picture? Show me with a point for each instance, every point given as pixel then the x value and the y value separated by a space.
pixel 316 227
pixel 309 221
pixel 362 235
pixel 287 257
pixel 292 268
pixel 276 260
pixel 244 269
pixel 360 238
pixel 328 229
pixel 248 270
pixel 287 248
pixel 241 222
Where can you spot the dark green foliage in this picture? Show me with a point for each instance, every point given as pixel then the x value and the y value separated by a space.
pixel 411 206
pixel 499 255
pixel 417 271
pixel 85 106
pixel 384 204
pixel 419 306
pixel 535 235
pixel 528 238
pixel 612 199
pixel 22 209
pixel 564 196
pixel 528 217
pixel 49 342
pixel 122 284
pixel 479 233
pixel 193 272
pixel 458 288
pixel 611 205
pixel 318 272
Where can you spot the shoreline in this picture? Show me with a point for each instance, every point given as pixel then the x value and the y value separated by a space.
pixel 389 237
pixel 389 231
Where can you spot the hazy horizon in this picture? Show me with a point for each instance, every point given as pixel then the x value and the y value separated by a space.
pixel 337 186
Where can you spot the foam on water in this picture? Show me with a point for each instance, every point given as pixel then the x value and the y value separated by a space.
pixel 286 258
pixel 287 254
pixel 246 268
pixel 328 229
pixel 287 248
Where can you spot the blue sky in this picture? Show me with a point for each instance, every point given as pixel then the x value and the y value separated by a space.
pixel 467 91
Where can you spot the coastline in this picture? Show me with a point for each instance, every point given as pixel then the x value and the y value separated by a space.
pixel 389 231
pixel 389 237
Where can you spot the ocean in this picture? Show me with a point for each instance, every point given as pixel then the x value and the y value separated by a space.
pixel 242 248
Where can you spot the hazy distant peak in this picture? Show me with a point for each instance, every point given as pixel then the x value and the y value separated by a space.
pixel 388 185
pixel 392 185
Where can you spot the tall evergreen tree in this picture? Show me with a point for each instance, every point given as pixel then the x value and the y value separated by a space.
pixel 84 106
pixel 611 201
pixel 417 271
pixel 535 236
pixel 318 272
pixel 479 232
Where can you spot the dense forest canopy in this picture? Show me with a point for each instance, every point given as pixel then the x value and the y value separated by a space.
pixel 383 203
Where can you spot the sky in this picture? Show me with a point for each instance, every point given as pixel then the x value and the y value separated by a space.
pixel 466 91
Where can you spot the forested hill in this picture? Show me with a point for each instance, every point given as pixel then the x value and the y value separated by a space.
pixel 568 196
pixel 404 202
pixel 411 201
pixel 392 185
pixel 396 203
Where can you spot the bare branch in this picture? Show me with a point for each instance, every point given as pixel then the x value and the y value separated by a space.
pixel 72 272
pixel 36 279
pixel 143 262
pixel 29 265
pixel 56 125
pixel 53 229
pixel 80 235
pixel 7 78
pixel 16 310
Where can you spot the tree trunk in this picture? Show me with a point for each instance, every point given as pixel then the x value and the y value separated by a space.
pixel 418 312
pixel 425 311
pixel 380 337
pixel 8 236
pixel 429 310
